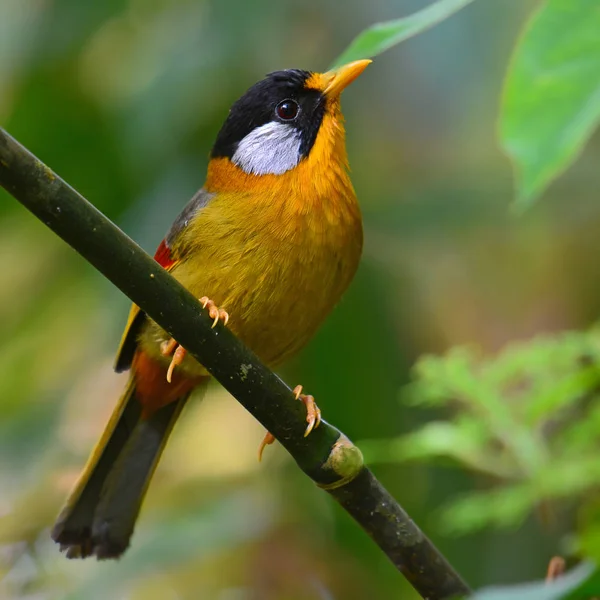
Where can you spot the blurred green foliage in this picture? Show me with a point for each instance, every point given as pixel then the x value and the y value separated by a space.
pixel 550 105
pixel 528 418
pixel 123 99
pixel 552 95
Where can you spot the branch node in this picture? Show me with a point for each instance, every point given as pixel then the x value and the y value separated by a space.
pixel 345 460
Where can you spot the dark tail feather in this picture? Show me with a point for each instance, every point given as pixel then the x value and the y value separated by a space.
pixel 99 515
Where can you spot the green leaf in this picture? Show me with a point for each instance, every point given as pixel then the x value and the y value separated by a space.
pixel 383 36
pixel 503 507
pixel 464 441
pixel 581 583
pixel 551 101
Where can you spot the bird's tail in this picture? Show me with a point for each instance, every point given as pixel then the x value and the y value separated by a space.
pixel 100 513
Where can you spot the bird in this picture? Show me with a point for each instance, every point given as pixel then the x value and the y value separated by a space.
pixel 268 246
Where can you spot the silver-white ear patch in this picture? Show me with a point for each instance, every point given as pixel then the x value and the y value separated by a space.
pixel 273 148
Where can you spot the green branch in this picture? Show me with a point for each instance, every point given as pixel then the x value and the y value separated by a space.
pixel 326 456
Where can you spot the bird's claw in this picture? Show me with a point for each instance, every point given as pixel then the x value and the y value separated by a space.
pixel 313 412
pixel 171 347
pixel 313 418
pixel 214 312
pixel 268 439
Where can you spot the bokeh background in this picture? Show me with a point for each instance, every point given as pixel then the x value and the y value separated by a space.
pixel 123 98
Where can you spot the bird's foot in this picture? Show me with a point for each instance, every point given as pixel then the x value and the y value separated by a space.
pixel 172 348
pixel 214 312
pixel 313 412
pixel 313 418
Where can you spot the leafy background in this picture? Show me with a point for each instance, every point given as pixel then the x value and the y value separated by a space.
pixel 491 446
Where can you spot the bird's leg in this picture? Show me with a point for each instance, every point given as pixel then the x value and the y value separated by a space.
pixel 171 347
pixel 313 418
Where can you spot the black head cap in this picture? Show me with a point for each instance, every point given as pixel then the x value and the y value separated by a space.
pixel 264 102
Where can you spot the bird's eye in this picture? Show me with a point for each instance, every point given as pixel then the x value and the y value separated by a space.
pixel 287 110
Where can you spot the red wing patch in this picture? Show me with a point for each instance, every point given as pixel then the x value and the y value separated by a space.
pixel 163 256
pixel 136 317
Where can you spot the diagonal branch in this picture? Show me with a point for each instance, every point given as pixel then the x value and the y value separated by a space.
pixel 326 456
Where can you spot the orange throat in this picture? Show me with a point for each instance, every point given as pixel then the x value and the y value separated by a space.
pixel 321 176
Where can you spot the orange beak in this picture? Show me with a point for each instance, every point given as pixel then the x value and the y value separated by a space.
pixel 339 79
